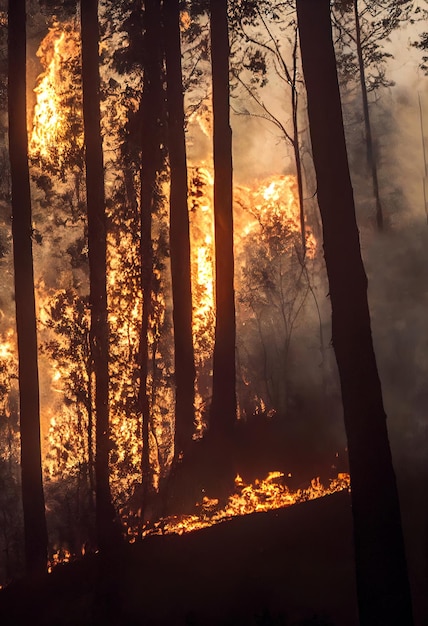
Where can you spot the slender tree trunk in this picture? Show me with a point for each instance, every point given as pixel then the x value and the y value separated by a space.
pixel 223 406
pixel 97 246
pixel 299 176
pixel 424 155
pixel 151 115
pixel 89 409
pixel 371 161
pixel 296 145
pixel 35 533
pixel 381 572
pixel 179 234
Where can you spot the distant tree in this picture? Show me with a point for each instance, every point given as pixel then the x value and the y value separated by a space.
pixel 99 333
pixel 223 406
pixel 273 287
pixel 60 10
pixel 184 370
pixel 267 45
pixel 35 532
pixel 422 44
pixel 381 571
pixel 363 26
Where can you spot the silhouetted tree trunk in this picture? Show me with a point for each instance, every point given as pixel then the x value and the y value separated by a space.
pixel 223 406
pixel 35 533
pixel 179 234
pixel 97 245
pixel 382 583
pixel 151 162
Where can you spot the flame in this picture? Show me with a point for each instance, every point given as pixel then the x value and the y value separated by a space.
pixel 185 20
pixel 275 199
pixel 272 199
pixel 57 116
pixel 261 496
pixel 7 346
pixel 202 261
pixel 59 556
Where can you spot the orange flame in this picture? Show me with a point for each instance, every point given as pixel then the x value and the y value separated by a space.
pixel 55 110
pixel 263 495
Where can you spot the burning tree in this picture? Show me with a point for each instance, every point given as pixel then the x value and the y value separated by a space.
pixel 179 235
pixel 158 268
pixel 35 531
pixel 11 530
pixel 267 44
pixel 274 283
pixel 97 255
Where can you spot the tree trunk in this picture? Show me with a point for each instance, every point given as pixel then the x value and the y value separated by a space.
pixel 151 116
pixel 371 161
pixel 296 146
pixel 97 246
pixel 223 406
pixel 35 533
pixel 381 572
pixel 179 234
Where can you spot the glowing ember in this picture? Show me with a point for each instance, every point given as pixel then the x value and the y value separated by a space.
pixel 59 556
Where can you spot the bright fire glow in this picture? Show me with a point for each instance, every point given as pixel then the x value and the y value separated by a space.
pixel 57 117
pixel 263 495
pixel 8 347
pixel 274 199
pixel 269 203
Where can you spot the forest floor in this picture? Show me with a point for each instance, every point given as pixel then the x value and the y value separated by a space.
pixel 291 566
pixel 286 567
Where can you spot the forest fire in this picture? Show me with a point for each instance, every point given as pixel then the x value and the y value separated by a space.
pixel 267 224
pixel 267 216
pixel 162 350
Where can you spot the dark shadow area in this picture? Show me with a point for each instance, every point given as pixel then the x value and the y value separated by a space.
pixel 291 566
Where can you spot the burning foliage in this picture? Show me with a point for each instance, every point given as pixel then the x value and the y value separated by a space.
pixel 272 279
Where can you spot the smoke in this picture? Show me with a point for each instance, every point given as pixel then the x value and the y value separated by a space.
pixel 396 263
pixel 397 260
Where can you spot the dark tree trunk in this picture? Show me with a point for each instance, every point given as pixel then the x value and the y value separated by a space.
pixel 151 139
pixel 296 144
pixel 35 533
pixel 179 234
pixel 371 161
pixel 89 409
pixel 97 245
pixel 223 406
pixel 382 583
